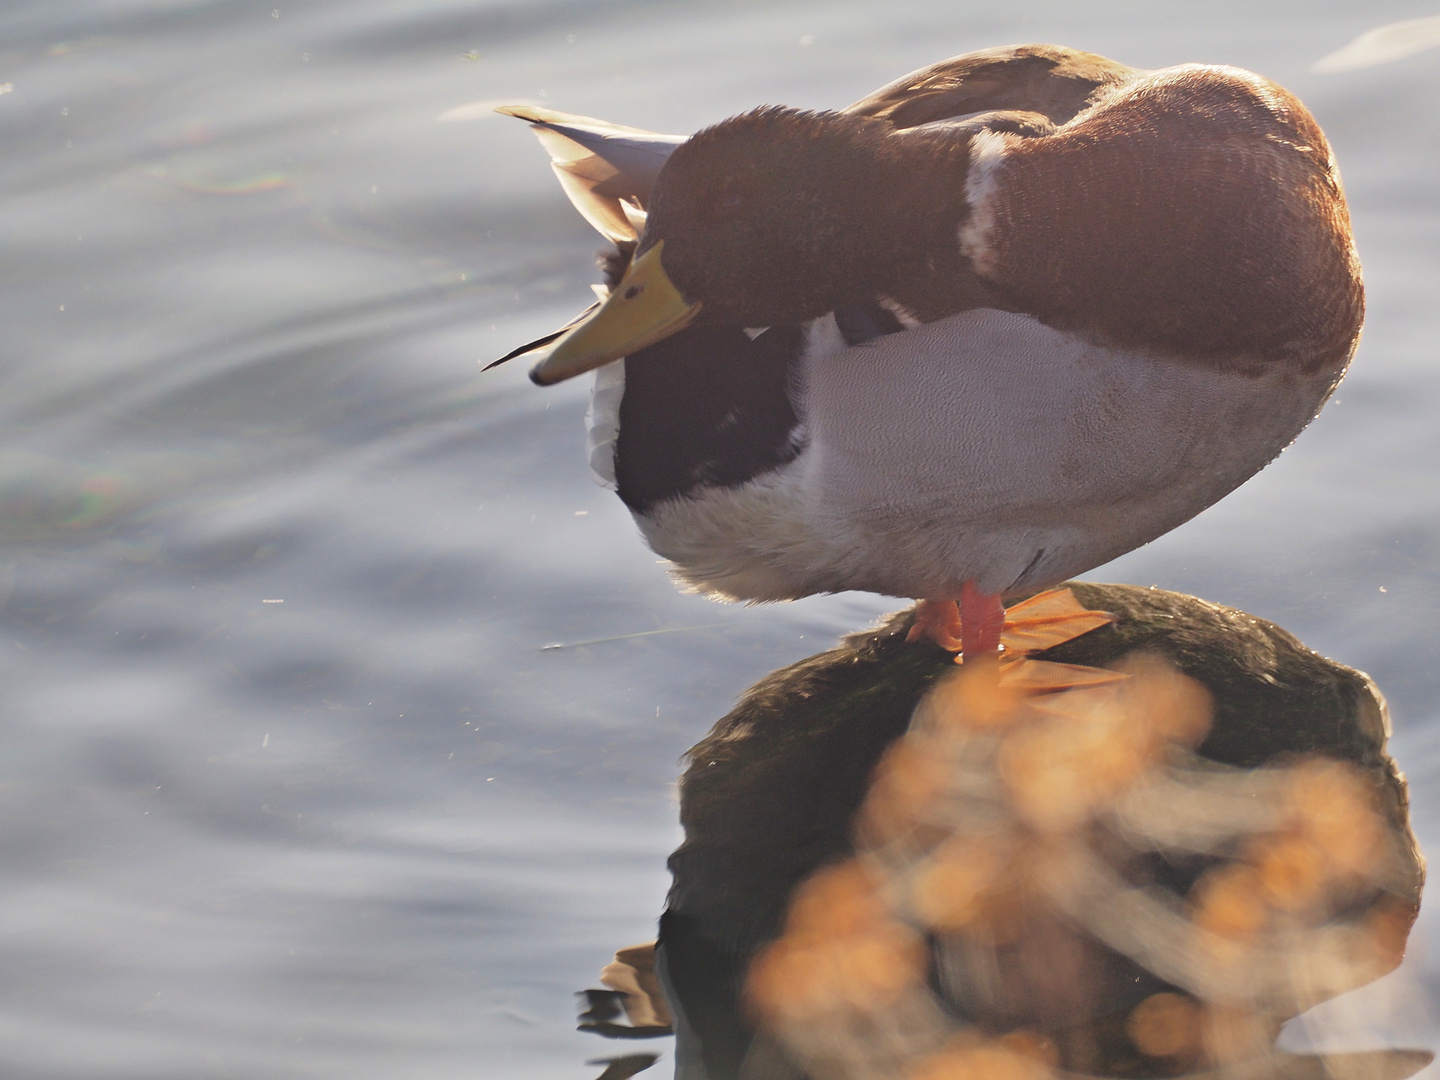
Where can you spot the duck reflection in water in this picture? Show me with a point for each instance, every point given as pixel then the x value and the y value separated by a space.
pixel 895 868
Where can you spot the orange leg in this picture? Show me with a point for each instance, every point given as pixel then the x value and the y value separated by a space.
pixel 971 628
pixel 982 618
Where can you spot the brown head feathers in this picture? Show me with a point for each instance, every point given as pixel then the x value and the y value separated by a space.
pixel 1194 212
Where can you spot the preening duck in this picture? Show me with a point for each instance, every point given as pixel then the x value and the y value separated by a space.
pixel 999 322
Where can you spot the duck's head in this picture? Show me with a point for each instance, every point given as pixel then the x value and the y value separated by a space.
pixel 761 216
pixel 767 218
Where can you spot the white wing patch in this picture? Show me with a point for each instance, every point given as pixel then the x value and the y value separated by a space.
pixel 982 191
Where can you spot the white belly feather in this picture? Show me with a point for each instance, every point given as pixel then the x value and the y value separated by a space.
pixel 983 447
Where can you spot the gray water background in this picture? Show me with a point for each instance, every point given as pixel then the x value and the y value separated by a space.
pixel 377 830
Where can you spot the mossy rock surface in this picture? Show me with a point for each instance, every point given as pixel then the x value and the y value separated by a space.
pixel 771 793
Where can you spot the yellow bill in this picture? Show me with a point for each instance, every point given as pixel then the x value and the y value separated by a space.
pixel 645 307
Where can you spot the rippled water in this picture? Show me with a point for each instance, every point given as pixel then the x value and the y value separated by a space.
pixel 291 787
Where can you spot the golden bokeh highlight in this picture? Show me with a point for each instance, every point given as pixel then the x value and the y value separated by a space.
pixel 1171 706
pixel 1167 1025
pixel 967 878
pixel 1032 1045
pixel 909 780
pixel 973 700
pixel 1084 748
pixel 1293 872
pixel 839 901
pixel 968 1057
pixel 1335 807
pixel 1230 901
pixel 841 951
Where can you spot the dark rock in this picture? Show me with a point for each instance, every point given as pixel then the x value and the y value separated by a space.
pixel 771 794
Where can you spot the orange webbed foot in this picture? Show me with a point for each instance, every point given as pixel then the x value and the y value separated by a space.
pixel 938 622
pixel 1047 619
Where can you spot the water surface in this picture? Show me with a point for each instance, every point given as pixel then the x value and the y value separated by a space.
pixel 290 785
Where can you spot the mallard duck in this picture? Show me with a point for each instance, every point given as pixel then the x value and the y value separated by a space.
pixel 999 322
